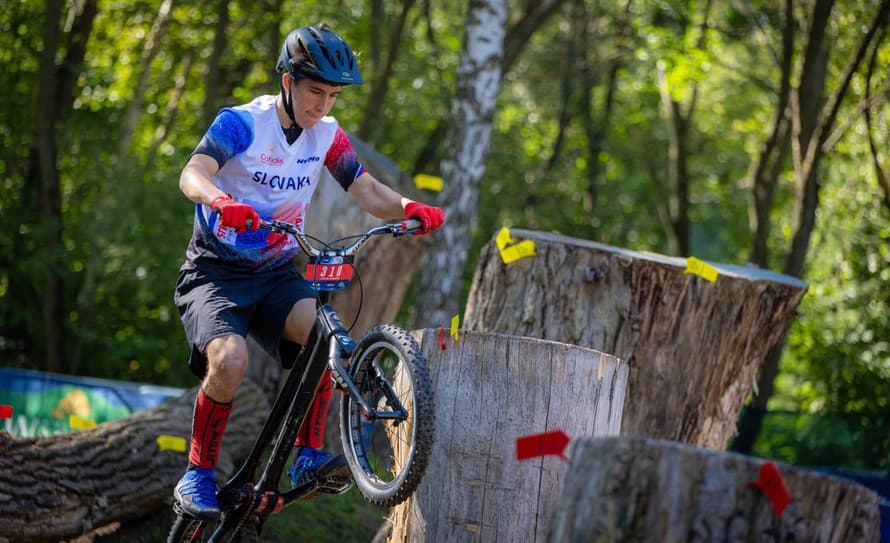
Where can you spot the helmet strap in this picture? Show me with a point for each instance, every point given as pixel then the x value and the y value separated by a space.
pixel 293 131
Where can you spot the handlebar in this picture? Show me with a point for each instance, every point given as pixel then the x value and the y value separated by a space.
pixel 397 229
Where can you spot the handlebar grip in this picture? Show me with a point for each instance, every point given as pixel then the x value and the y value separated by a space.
pixel 411 225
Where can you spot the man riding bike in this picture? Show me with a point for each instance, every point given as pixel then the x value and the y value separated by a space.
pixel 262 161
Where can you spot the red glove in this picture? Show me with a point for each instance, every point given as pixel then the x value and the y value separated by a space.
pixel 430 217
pixel 235 214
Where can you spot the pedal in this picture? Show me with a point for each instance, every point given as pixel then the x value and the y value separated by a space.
pixel 335 485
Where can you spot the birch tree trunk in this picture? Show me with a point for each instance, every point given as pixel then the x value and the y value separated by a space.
pixel 66 485
pixel 478 82
pixel 693 347
pixel 631 489
pixel 490 390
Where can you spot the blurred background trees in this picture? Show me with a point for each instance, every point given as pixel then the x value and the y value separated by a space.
pixel 742 131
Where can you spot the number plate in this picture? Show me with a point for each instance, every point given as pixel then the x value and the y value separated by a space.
pixel 329 272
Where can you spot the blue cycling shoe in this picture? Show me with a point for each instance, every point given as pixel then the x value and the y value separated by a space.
pixel 196 494
pixel 314 464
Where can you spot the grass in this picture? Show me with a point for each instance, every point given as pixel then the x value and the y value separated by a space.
pixel 327 519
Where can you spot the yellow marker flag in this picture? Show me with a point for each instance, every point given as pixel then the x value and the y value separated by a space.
pixel 171 443
pixel 512 253
pixel 429 182
pixel 503 238
pixel 80 423
pixel 521 250
pixel 700 268
pixel 455 322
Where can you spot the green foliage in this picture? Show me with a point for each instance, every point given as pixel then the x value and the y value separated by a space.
pixel 837 365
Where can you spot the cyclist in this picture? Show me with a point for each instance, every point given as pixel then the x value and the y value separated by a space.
pixel 262 160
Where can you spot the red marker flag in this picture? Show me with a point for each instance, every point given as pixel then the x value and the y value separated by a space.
pixel 542 444
pixel 773 486
pixel 5 411
pixel 442 338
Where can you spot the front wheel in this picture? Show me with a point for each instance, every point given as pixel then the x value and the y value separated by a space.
pixel 388 454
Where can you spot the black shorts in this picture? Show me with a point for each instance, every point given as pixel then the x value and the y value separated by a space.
pixel 217 300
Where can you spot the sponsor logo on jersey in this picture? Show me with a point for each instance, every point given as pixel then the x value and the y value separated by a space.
pixel 280 182
pixel 307 160
pixel 271 160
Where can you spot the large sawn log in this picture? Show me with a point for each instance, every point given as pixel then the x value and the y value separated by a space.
pixel 491 389
pixel 66 485
pixel 694 347
pixel 632 489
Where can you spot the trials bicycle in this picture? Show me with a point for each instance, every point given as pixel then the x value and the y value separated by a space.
pixel 387 414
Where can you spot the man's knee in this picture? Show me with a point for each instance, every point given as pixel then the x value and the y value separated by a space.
pixel 300 321
pixel 227 361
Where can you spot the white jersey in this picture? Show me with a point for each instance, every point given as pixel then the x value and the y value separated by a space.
pixel 261 169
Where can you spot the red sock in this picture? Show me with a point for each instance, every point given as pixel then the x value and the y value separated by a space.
pixel 312 432
pixel 208 426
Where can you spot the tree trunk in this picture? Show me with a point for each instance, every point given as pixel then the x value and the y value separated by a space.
pixel 50 192
pixel 469 135
pixel 66 485
pixel 369 129
pixel 490 390
pixel 215 77
pixel 694 347
pixel 812 123
pixel 629 489
pixel 150 48
pixel 763 174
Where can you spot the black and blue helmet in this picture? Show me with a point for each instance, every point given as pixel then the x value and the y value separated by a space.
pixel 319 53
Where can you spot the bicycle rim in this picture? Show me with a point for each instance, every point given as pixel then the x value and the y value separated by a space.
pixel 388 457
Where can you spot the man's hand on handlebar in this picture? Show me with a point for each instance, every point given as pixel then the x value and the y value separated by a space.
pixel 430 217
pixel 236 215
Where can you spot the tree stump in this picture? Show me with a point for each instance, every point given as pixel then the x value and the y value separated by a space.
pixel 632 489
pixel 66 485
pixel 491 389
pixel 694 347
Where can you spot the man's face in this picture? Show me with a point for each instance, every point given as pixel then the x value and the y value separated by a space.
pixel 312 100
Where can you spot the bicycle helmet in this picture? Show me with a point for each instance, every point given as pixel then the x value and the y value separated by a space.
pixel 319 53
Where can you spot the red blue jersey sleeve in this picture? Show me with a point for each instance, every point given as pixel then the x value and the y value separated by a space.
pixel 342 160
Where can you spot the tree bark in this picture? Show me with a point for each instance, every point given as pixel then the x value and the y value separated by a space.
pixel 628 489
pixel 490 390
pixel 519 32
pixel 469 135
pixel 694 347
pixel 66 485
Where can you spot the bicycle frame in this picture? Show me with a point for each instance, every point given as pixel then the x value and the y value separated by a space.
pixel 328 344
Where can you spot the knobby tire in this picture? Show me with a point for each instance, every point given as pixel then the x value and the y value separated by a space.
pixel 388 460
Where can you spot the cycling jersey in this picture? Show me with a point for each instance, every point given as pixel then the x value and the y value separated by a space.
pixel 259 167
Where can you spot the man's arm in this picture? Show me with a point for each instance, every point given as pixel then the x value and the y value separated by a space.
pixel 195 180
pixel 377 199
